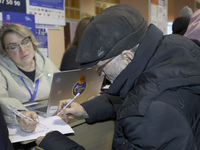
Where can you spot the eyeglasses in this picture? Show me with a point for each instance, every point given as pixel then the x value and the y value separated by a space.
pixel 26 42
pixel 99 69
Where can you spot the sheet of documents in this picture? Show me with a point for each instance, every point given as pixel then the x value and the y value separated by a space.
pixel 53 123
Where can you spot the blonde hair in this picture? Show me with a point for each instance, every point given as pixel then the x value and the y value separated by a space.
pixel 21 30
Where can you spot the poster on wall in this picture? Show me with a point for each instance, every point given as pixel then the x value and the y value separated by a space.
pixel 159 14
pixel 47 12
pixel 154 12
pixel 50 12
pixel 13 5
pixel 42 38
pixel 19 18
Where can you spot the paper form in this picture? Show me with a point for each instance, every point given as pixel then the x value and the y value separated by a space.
pixel 53 123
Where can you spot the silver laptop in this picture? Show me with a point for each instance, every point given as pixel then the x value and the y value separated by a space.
pixel 65 85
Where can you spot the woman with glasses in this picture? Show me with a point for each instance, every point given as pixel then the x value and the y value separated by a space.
pixel 25 74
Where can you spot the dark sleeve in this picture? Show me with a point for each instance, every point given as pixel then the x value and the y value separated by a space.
pixel 102 108
pixel 55 140
pixel 4 138
pixel 68 61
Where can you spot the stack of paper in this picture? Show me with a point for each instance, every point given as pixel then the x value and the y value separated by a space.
pixel 52 123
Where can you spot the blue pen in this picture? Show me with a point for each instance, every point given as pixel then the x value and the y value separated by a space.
pixel 70 102
pixel 21 115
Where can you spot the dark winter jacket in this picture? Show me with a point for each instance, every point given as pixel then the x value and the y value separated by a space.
pixel 55 140
pixel 160 94
pixel 68 61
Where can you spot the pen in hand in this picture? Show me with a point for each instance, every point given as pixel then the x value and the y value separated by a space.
pixel 70 102
pixel 21 115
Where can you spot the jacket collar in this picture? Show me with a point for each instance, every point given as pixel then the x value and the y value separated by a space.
pixel 126 79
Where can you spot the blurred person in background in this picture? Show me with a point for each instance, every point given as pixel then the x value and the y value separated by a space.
pixel 193 30
pixel 68 61
pixel 180 25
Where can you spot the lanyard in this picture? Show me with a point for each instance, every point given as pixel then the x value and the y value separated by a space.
pixel 35 90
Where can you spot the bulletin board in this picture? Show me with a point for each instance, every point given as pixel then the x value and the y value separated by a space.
pixel 159 14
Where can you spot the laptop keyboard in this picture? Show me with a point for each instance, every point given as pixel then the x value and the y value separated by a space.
pixel 42 109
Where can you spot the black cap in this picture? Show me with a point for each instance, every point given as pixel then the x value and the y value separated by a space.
pixel 115 29
pixel 180 25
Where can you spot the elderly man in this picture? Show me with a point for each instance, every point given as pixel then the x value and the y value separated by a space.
pixel 156 76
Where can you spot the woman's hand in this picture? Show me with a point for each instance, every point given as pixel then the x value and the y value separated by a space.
pixel 27 125
pixel 74 109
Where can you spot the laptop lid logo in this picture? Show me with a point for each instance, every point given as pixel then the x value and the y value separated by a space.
pixel 80 86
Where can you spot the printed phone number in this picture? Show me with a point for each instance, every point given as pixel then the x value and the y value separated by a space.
pixel 10 2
